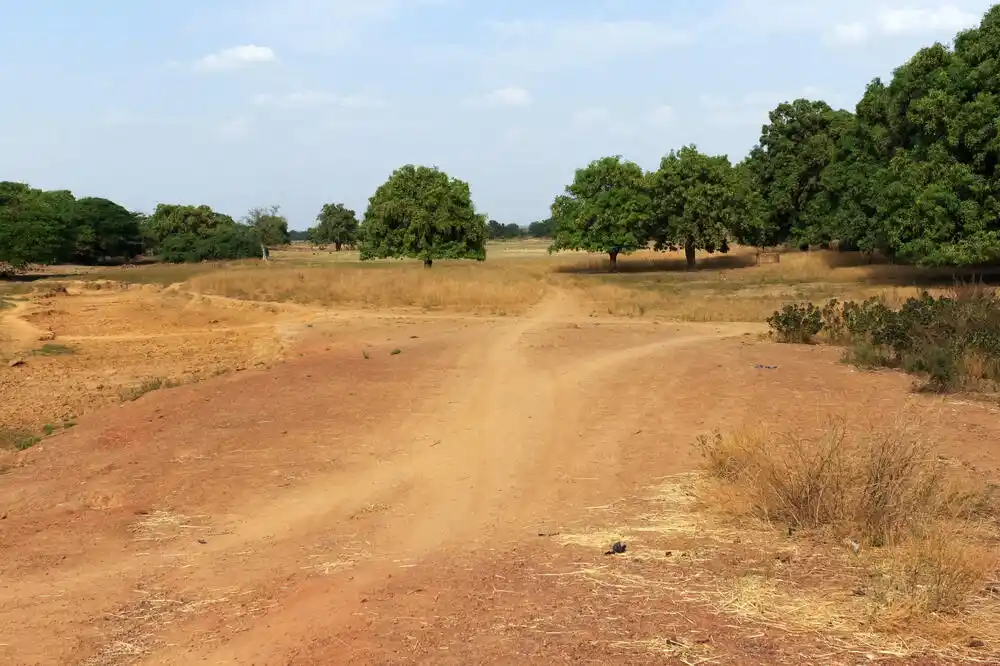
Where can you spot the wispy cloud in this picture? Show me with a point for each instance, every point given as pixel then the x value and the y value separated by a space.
pixel 236 57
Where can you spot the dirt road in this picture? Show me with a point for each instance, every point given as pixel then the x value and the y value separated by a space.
pixel 351 506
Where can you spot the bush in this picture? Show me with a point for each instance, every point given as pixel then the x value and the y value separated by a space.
pixel 953 341
pixel 224 242
pixel 796 323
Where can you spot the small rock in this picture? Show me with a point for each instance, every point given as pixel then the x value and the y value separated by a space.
pixel 617 548
pixel 975 643
pixel 3 516
pixel 202 541
pixel 15 362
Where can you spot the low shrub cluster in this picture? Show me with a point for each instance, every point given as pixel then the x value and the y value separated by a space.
pixel 953 341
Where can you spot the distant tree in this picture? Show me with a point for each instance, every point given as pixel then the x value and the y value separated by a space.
pixel 196 233
pixel 336 224
pixel 605 209
pixel 542 228
pixel 422 213
pixel 494 230
pixel 297 236
pixel 695 203
pixel 512 230
pixel 498 231
pixel 232 241
pixel 177 220
pixel 33 228
pixel 269 224
pixel 104 229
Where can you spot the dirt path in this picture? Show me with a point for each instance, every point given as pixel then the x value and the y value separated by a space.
pixel 342 508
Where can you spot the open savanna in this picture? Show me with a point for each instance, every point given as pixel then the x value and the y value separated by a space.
pixel 382 463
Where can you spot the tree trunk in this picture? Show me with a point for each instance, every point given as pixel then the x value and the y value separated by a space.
pixel 689 253
pixel 337 246
pixel 428 263
pixel 263 252
pixel 613 255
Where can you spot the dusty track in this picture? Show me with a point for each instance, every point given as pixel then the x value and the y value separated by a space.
pixel 343 509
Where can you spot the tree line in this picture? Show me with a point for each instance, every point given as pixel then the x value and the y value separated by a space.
pixel 911 174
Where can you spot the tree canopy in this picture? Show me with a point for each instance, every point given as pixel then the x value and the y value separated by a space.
pixel 43 227
pixel 422 213
pixel 270 226
pixel 605 209
pixel 178 234
pixel 695 203
pixel 336 225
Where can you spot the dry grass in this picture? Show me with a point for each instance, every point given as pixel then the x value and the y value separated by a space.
pixel 927 529
pixel 499 289
pixel 720 540
pixel 732 287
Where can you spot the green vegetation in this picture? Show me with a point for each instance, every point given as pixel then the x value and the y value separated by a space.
pixel 498 231
pixel 336 225
pixel 53 349
pixel 910 174
pixel 605 209
pixel 952 341
pixel 43 227
pixel 422 213
pixel 132 393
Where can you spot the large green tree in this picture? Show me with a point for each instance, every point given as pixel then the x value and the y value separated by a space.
pixel 796 146
pixel 605 209
pixel 422 213
pixel 197 233
pixel 33 228
pixel 336 224
pixel 104 229
pixel 695 203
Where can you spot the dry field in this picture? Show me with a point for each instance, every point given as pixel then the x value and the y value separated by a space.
pixel 316 461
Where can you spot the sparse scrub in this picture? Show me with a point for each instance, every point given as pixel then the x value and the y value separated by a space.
pixel 130 393
pixel 953 341
pixel 53 349
pixel 926 531
pixel 19 440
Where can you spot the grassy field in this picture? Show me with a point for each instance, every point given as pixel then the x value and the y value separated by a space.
pixel 730 287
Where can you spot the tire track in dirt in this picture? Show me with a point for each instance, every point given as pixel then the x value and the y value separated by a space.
pixel 500 435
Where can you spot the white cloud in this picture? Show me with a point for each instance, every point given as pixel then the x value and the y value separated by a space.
pixel 503 97
pixel 235 58
pixel 946 19
pixel 660 116
pixel 943 21
pixel 313 98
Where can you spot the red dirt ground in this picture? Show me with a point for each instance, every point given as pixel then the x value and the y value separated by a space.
pixel 337 509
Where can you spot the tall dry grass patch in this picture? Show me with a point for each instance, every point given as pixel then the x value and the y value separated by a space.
pixel 500 289
pixel 924 528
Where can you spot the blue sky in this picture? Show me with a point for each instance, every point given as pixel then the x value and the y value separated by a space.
pixel 299 102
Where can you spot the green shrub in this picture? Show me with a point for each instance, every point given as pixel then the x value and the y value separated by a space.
pixel 796 323
pixel 231 241
pixel 953 341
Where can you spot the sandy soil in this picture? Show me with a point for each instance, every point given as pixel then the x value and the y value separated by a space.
pixel 447 504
